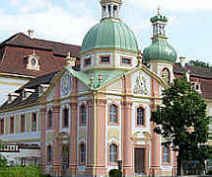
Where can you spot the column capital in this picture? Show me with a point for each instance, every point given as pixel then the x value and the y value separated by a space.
pixel 101 102
pixel 56 108
pixel 126 103
pixel 73 105
pixel 43 110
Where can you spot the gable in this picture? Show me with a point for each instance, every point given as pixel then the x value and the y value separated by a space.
pixel 81 87
pixel 115 87
pixel 141 83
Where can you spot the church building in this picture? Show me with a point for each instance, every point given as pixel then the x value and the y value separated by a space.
pixel 87 119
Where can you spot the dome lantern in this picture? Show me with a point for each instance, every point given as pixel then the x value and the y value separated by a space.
pixel 159 24
pixel 110 8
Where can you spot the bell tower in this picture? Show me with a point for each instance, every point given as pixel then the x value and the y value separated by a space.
pixel 110 8
pixel 160 55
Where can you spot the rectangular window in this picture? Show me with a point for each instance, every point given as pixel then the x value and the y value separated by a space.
pixel 105 59
pixel 140 116
pixel 12 125
pixel 65 118
pixel 34 121
pixel 87 62
pixel 22 123
pixel 2 126
pixel 166 154
pixel 127 61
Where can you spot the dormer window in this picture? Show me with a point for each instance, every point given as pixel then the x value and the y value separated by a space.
pixel 43 88
pixel 196 86
pixel 27 92
pixel 12 97
pixel 33 62
pixel 105 59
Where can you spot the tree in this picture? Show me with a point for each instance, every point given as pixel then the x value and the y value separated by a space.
pixel 200 64
pixel 182 120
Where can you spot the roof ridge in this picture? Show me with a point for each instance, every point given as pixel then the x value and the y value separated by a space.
pixel 55 42
pixel 12 38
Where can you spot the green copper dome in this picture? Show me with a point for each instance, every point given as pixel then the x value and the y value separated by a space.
pixel 160 50
pixel 159 17
pixel 110 34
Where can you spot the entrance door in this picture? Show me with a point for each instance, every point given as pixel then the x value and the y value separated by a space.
pixel 65 157
pixel 139 157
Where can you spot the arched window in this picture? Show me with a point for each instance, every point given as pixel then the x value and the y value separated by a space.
pixel 166 75
pixel 82 153
pixel 113 156
pixel 140 116
pixel 113 113
pixel 83 114
pixel 49 153
pixel 49 119
pixel 65 117
pixel 166 154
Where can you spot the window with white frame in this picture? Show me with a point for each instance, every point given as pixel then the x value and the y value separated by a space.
pixel 113 153
pixel 113 113
pixel 82 153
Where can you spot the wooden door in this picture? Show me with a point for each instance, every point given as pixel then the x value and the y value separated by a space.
pixel 139 160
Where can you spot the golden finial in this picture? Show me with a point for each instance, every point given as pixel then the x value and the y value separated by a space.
pixel 139 59
pixel 70 60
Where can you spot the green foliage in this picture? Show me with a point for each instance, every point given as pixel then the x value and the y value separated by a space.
pixel 115 173
pixel 183 109
pixel 3 161
pixel 17 171
pixel 209 172
pixel 200 64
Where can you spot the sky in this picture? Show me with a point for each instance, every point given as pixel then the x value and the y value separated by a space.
pixel 189 28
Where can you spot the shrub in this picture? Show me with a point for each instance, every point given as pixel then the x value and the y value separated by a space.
pixel 17 171
pixel 45 175
pixel 115 173
pixel 209 172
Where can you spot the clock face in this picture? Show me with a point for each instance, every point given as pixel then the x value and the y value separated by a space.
pixel 66 84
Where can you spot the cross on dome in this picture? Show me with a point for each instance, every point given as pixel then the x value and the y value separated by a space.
pixel 158 10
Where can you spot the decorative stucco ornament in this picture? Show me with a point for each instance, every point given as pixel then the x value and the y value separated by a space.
pixel 66 84
pixel 140 85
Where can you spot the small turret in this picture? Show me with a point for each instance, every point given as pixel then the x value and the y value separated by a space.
pixel 160 49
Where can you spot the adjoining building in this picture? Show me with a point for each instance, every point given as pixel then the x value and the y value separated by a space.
pixel 23 57
pixel 85 120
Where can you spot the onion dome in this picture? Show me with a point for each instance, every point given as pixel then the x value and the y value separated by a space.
pixel 160 49
pixel 111 32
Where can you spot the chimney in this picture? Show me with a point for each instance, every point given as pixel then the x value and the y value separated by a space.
pixel 30 33
pixel 183 61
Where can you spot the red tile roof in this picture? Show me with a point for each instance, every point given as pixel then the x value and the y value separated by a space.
pixel 198 74
pixel 51 55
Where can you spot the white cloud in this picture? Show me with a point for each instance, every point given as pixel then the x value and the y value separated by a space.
pixel 24 6
pixel 55 23
pixel 174 5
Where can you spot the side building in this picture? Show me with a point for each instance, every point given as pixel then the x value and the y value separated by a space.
pixel 23 57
